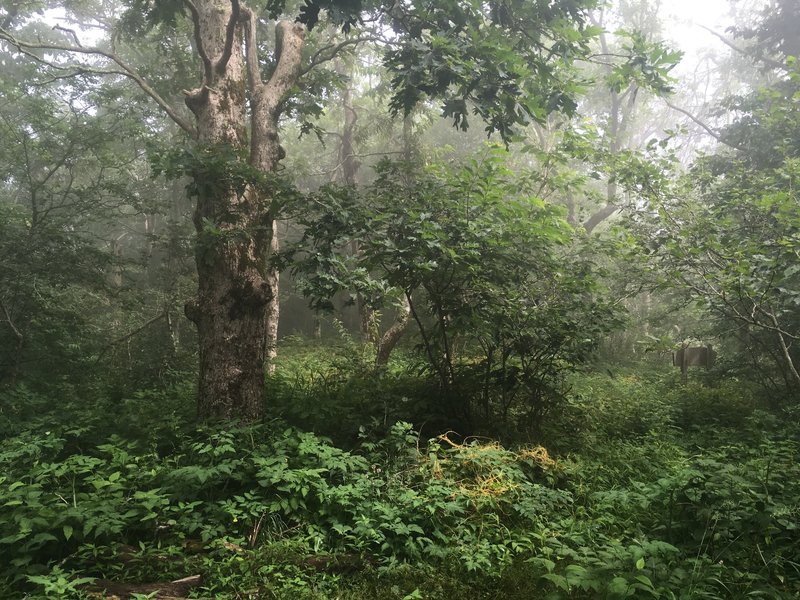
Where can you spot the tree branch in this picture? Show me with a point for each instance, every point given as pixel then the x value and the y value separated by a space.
pixel 129 335
pixel 71 32
pixel 289 39
pixel 785 351
pixel 715 134
pixel 230 32
pixel 321 56
pixel 599 216
pixel 126 71
pixel 198 41
pixel 251 49
pixel 17 332
pixel 775 64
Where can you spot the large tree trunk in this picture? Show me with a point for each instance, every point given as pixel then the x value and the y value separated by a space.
pixel 265 151
pixel 234 225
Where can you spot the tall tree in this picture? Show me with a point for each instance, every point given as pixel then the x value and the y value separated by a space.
pixel 505 61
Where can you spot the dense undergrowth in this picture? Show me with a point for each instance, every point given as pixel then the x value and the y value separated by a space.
pixel 635 487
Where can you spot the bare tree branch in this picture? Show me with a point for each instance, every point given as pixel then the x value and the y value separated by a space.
pixel 251 49
pixel 715 134
pixel 71 32
pixel 128 336
pixel 289 37
pixel 327 53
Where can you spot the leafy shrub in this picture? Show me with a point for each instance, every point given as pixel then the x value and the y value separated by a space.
pixel 600 407
pixel 727 404
pixel 496 280
pixel 340 393
pixel 248 486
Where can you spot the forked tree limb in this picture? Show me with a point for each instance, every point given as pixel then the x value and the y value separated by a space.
pixel 392 335
pixel 251 49
pixel 289 39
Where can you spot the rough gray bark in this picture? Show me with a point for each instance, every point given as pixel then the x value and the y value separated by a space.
pixel 237 290
pixel 391 336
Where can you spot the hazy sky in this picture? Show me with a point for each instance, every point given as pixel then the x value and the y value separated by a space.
pixel 683 20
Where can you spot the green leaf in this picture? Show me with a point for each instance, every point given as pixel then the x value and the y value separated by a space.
pixel 559 580
pixel 618 585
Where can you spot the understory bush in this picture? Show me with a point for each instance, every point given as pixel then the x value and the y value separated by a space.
pixel 246 487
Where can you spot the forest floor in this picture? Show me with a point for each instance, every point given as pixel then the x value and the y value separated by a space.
pixel 635 486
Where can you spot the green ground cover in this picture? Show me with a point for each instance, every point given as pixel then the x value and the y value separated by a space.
pixel 635 487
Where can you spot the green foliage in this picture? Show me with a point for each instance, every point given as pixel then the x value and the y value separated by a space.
pixel 218 169
pixel 505 295
pixel 142 16
pixel 726 237
pixel 649 489
pixel 773 32
pixel 650 497
pixel 253 485
pixel 48 275
pixel 341 394
pixel 79 272
pixel 647 67
pixel 60 584
pixel 491 59
pixel 509 63
pixel 62 176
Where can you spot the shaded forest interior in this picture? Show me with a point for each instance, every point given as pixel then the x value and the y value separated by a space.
pixel 355 300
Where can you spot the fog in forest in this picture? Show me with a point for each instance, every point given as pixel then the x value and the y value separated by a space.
pixel 363 299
